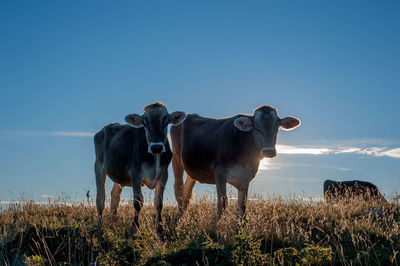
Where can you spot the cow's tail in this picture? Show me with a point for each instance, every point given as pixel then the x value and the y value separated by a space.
pixel 176 133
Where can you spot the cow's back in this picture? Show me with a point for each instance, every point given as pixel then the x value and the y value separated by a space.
pixel 200 140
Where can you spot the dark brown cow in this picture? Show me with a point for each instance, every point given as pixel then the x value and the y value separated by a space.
pixel 221 151
pixel 344 190
pixel 135 155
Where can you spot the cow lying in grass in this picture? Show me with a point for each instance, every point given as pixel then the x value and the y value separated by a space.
pixel 345 190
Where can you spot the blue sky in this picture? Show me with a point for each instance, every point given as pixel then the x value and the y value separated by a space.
pixel 70 67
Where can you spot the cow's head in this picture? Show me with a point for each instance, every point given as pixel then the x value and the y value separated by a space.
pixel 155 120
pixel 264 125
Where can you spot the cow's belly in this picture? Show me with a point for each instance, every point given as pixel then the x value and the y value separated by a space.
pixel 121 178
pixel 240 176
pixel 117 173
pixel 202 175
pixel 147 175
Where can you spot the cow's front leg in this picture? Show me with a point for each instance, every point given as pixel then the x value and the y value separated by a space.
pixel 158 202
pixel 242 201
pixel 137 201
pixel 220 181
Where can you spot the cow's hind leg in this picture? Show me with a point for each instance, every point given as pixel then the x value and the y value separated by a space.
pixel 158 202
pixel 178 174
pixel 101 188
pixel 187 192
pixel 115 197
pixel 220 181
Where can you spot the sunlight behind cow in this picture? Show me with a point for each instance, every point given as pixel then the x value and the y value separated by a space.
pixel 265 164
pixel 286 149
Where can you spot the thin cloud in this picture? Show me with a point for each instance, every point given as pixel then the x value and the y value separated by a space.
pixel 72 134
pixel 286 149
pixel 38 133
pixel 266 164
pixel 395 153
pixel 348 150
pixel 371 151
pixel 374 151
pixel 379 148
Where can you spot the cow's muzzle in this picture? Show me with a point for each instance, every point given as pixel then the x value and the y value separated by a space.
pixel 156 148
pixel 268 152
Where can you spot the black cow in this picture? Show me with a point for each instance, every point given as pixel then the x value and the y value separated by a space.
pixel 344 190
pixel 135 155
pixel 221 151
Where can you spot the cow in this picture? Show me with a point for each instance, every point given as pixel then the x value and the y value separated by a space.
pixel 134 155
pixel 336 191
pixel 221 151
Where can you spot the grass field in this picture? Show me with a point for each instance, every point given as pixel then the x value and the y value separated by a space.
pixel 275 232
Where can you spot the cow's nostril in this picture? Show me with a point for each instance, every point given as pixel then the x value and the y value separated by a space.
pixel 269 153
pixel 156 148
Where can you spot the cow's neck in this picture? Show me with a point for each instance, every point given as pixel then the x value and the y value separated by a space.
pixel 253 152
pixel 248 150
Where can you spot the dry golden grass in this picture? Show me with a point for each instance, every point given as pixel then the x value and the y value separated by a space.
pixel 274 232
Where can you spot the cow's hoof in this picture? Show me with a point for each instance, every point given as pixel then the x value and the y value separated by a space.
pixel 133 230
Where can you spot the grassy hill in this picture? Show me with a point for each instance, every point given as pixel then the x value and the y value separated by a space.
pixel 274 232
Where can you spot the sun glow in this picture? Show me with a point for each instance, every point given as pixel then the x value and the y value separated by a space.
pixel 286 149
pixel 264 164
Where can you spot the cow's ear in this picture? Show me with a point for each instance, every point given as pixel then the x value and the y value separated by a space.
pixel 243 123
pixel 289 122
pixel 135 120
pixel 176 118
